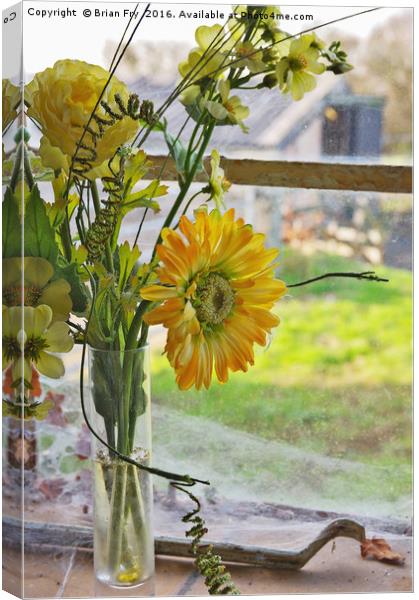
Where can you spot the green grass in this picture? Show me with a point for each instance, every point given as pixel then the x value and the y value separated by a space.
pixel 336 377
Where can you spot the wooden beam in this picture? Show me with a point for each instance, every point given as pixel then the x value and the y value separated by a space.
pixel 38 535
pixel 307 175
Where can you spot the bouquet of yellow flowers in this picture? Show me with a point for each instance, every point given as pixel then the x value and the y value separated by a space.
pixel 210 280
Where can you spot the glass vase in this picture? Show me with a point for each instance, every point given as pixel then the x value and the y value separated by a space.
pixel 123 533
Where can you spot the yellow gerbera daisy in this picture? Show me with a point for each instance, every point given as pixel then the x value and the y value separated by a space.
pixel 217 286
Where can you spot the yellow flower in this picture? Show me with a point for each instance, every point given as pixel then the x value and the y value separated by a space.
pixel 249 57
pixel 52 157
pixel 37 287
pixel 263 16
pixel 213 43
pixel 10 97
pixel 28 339
pixel 62 99
pixel 217 286
pixel 294 71
pixel 281 47
pixel 218 184
pixel 229 108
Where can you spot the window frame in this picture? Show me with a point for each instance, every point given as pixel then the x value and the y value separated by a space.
pixel 306 175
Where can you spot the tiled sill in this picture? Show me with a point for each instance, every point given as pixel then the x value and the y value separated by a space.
pixel 335 569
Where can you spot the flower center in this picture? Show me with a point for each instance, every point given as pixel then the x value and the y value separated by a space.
pixel 298 63
pixel 244 51
pixel 216 299
pixel 229 106
pixel 11 348
pixel 33 348
pixel 82 92
pixel 13 295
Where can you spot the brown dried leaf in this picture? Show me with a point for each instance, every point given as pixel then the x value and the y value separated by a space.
pixel 52 488
pixel 379 549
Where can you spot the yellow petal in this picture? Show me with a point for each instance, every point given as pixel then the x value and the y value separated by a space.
pixel 57 337
pixel 12 321
pixel 57 296
pixel 37 319
pixel 21 368
pixel 224 89
pixel 209 36
pixel 12 271
pixel 158 292
pixel 50 365
pixel 37 271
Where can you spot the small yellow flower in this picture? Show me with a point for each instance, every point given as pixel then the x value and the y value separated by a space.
pixel 218 184
pixel 217 288
pixel 281 47
pixel 28 339
pixel 10 97
pixel 62 99
pixel 249 57
pixel 37 287
pixel 229 108
pixel 294 72
pixel 263 16
pixel 211 42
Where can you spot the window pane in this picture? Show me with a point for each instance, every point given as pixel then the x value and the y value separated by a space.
pixel 323 420
pixel 364 115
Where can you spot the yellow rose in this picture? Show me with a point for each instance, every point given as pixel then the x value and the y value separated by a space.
pixel 52 157
pixel 10 96
pixel 62 99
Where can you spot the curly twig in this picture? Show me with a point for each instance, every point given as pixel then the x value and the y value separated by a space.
pixel 366 275
pixel 217 578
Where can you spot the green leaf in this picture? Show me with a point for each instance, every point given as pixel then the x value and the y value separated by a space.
pixel 179 153
pixel 78 293
pixel 127 259
pixel 12 235
pixel 79 255
pixel 145 198
pixel 106 377
pixel 138 396
pixel 39 237
pixel 135 169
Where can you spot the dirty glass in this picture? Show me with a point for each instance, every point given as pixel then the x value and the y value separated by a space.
pixel 321 425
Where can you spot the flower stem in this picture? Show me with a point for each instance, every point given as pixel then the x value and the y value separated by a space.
pixel 137 509
pixel 27 169
pixel 188 181
pixel 134 329
pixel 17 167
pixel 117 518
